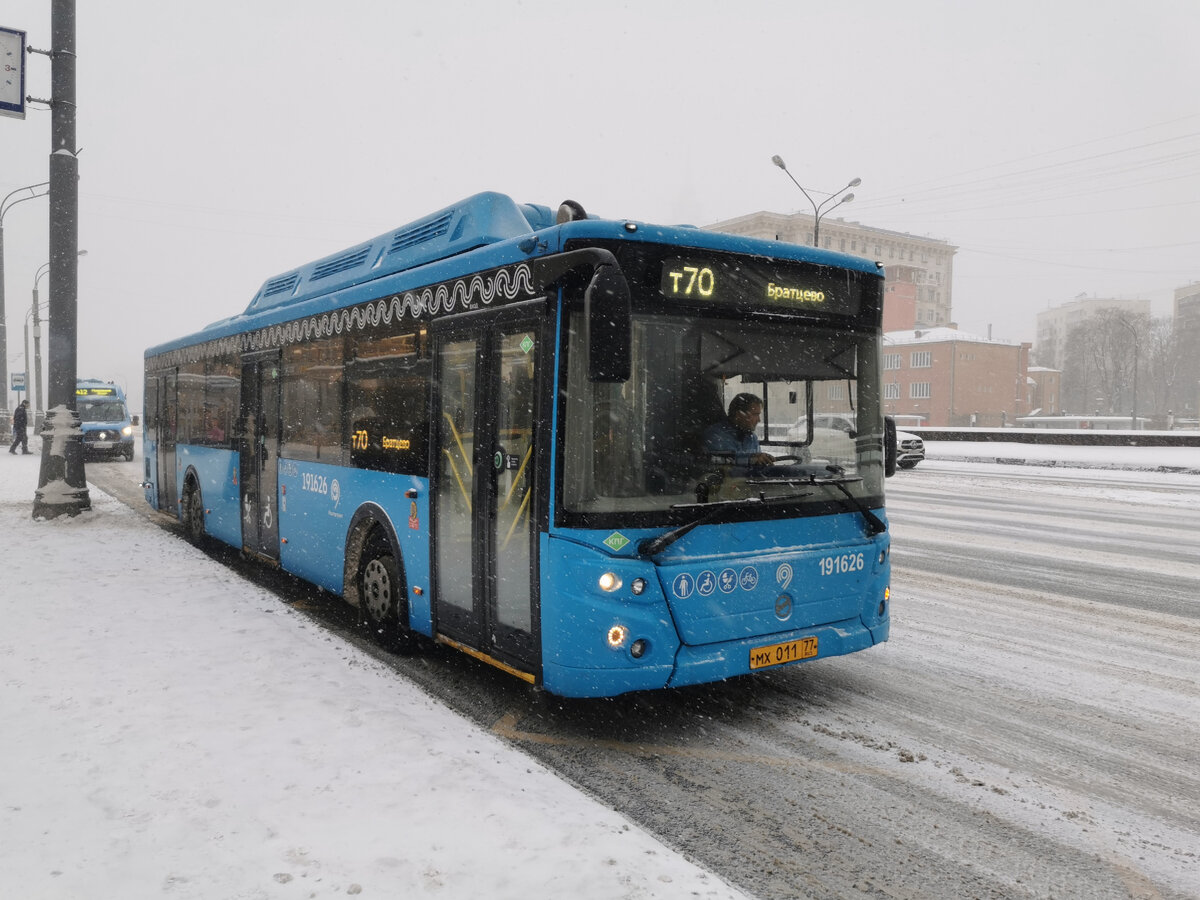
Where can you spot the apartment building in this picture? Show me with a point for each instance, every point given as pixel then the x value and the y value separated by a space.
pixel 1186 308
pixel 919 270
pixel 1055 324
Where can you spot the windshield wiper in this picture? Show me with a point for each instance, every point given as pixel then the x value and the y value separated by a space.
pixel 654 546
pixel 838 478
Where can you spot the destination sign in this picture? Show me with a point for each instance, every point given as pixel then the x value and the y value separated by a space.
pixel 93 392
pixel 756 282
pixel 361 440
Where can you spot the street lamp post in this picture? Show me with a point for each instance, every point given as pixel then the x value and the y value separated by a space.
pixel 818 208
pixel 39 410
pixel 1133 418
pixel 30 386
pixel 5 205
pixel 1133 414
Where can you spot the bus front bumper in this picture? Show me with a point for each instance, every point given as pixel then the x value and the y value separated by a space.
pixel 708 663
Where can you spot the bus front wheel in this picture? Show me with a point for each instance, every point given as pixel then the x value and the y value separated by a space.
pixel 381 596
pixel 193 513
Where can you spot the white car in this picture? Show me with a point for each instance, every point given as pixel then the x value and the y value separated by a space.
pixel 833 440
pixel 832 436
pixel 910 450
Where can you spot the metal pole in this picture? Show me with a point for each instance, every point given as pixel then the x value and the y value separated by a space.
pixel 1133 332
pixel 39 413
pixel 62 484
pixel 26 349
pixel 4 416
pixel 1134 424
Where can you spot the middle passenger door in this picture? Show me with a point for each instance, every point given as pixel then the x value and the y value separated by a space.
pixel 258 466
pixel 485 594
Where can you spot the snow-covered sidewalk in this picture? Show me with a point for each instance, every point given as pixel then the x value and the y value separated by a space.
pixel 171 730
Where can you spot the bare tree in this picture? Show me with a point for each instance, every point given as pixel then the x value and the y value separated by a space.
pixel 1080 384
pixel 1105 358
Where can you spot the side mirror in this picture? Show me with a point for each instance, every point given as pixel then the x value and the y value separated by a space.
pixel 608 314
pixel 889 446
pixel 608 309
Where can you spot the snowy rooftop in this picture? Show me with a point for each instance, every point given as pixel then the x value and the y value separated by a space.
pixel 939 335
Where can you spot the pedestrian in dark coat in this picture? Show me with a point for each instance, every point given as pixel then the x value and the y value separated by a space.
pixel 20 421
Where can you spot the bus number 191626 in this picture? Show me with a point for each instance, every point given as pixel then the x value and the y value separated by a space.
pixel 842 565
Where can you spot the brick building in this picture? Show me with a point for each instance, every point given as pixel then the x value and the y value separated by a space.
pixel 900 298
pixel 954 379
pixel 1045 391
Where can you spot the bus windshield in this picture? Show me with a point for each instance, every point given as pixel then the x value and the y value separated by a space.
pixel 665 440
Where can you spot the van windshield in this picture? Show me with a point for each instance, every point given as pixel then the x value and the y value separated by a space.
pixel 101 410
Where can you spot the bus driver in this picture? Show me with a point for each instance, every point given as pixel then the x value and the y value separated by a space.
pixel 734 435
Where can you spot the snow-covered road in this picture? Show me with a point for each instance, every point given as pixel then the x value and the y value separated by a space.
pixel 1029 730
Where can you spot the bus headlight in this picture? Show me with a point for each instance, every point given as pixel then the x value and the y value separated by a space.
pixel 609 582
pixel 127 430
pixel 617 636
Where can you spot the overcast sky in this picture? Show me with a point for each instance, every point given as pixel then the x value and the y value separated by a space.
pixel 1055 143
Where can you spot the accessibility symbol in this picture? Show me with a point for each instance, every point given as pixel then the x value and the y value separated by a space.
pixel 706 583
pixel 727 581
pixel 682 586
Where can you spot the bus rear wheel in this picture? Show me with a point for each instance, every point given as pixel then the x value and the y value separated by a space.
pixel 381 596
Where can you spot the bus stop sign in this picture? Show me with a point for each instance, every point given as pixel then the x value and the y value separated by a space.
pixel 12 73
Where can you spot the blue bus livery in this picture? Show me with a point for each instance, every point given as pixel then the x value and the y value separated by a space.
pixel 488 427
pixel 107 429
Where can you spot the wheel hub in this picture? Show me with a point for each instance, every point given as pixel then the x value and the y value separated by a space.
pixel 377 589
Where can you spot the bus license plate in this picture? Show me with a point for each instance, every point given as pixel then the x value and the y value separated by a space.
pixel 778 654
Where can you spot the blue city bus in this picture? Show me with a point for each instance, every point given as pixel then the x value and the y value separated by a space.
pixel 491 427
pixel 105 424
